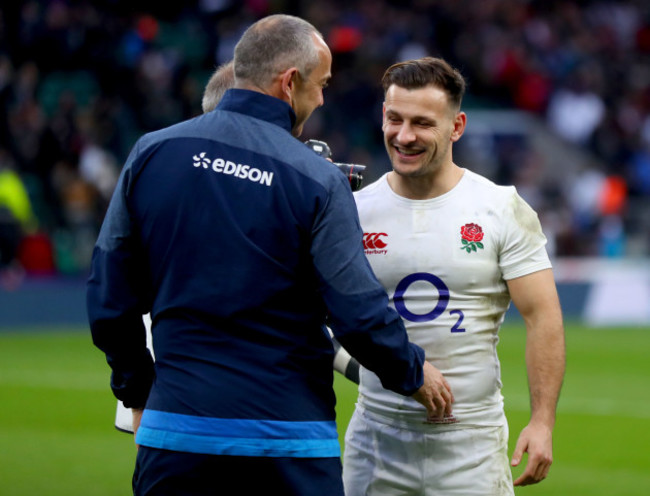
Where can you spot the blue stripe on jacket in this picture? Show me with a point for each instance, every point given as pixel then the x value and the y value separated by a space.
pixel 238 437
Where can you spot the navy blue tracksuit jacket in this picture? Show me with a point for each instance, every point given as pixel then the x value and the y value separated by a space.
pixel 237 238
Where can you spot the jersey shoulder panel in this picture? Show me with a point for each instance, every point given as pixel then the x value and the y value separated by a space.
pixel 521 239
pixel 483 190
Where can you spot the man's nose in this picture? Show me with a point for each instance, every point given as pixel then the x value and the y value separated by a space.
pixel 405 134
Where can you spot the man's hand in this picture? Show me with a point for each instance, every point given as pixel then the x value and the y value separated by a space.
pixel 536 440
pixel 436 396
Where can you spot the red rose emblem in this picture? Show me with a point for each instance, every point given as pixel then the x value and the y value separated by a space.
pixel 472 235
pixel 472 232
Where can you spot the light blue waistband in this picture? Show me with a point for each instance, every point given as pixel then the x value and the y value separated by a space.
pixel 238 437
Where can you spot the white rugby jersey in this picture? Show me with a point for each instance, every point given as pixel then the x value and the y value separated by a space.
pixel 444 263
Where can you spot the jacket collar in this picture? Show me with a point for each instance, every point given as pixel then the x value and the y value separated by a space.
pixel 260 106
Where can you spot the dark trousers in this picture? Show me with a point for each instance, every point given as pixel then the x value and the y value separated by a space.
pixel 172 473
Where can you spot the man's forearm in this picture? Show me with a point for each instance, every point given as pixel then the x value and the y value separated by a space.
pixel 545 361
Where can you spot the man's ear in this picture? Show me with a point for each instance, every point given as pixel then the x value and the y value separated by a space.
pixel 288 81
pixel 460 121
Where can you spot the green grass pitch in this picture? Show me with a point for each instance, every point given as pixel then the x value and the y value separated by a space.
pixel 57 435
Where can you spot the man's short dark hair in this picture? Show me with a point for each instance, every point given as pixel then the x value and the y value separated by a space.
pixel 418 73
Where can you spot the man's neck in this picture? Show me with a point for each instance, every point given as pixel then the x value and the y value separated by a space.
pixel 425 187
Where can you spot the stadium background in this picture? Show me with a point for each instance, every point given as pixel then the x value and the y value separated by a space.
pixel 558 104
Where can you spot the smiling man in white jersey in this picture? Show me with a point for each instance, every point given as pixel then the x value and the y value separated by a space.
pixel 452 249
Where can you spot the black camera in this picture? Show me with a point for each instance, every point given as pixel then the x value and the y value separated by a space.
pixel 351 171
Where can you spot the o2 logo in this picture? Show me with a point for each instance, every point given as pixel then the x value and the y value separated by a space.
pixel 441 306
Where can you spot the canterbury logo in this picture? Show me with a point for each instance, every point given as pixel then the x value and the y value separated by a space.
pixel 373 241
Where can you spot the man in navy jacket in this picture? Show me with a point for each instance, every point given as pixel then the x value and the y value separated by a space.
pixel 236 238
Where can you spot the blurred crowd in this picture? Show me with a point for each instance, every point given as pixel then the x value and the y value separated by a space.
pixel 81 80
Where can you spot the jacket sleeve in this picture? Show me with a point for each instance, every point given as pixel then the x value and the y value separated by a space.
pixel 360 317
pixel 116 300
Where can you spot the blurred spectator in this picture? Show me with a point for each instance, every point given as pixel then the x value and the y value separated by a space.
pixel 584 195
pixel 611 237
pixel 576 110
pixel 16 219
